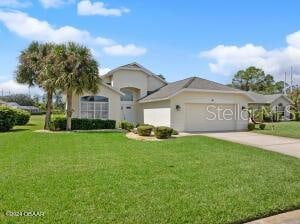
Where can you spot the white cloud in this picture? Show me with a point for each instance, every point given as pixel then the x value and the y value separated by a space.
pixel 103 71
pixel 11 87
pixel 127 50
pixel 15 3
pixel 34 29
pixel 87 8
pixel 226 60
pixel 55 3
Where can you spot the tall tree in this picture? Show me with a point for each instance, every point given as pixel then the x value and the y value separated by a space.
pixel 37 66
pixel 255 79
pixel 78 73
pixel 248 79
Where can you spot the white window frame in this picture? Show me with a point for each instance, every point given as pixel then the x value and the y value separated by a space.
pixel 94 111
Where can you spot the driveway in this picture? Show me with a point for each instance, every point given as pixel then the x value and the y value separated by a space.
pixel 283 145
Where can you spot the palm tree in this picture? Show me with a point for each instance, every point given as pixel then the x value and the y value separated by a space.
pixel 78 73
pixel 37 66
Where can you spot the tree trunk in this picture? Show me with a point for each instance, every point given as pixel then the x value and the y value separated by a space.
pixel 48 110
pixel 69 110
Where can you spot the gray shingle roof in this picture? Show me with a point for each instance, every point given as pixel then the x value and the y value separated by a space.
pixel 189 83
pixel 263 99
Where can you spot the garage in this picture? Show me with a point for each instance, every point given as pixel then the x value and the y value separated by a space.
pixel 210 117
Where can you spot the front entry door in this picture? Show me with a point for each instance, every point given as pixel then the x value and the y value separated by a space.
pixel 127 111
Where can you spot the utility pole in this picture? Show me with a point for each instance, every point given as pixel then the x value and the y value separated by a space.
pixel 291 78
pixel 284 88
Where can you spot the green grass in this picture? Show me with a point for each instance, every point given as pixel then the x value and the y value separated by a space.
pixel 285 129
pixel 107 178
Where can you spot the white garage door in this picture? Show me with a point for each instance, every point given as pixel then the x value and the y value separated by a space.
pixel 208 117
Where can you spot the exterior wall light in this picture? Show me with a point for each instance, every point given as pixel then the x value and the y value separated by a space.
pixel 178 107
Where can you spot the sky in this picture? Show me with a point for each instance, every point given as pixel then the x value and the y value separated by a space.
pixel 178 39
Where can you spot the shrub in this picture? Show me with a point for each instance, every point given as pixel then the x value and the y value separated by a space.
pixel 21 117
pixel 297 116
pixel 163 132
pixel 262 126
pixel 174 132
pixel 267 118
pixel 59 123
pixel 251 126
pixel 142 124
pixel 144 130
pixel 7 118
pixel 126 125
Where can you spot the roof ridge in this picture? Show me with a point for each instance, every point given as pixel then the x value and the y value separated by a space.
pixel 189 82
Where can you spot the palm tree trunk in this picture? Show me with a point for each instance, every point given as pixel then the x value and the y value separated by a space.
pixel 69 110
pixel 48 110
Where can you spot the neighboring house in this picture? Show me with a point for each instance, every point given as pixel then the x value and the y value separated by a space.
pixel 2 103
pixel 277 102
pixel 30 109
pixel 132 92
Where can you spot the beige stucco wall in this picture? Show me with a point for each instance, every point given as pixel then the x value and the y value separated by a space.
pixel 114 102
pixel 178 117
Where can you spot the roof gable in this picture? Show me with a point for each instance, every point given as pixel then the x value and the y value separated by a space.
pixel 134 66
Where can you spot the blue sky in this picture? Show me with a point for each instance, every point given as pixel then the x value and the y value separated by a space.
pixel 210 39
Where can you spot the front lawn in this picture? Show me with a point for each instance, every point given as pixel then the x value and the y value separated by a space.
pixel 285 129
pixel 107 178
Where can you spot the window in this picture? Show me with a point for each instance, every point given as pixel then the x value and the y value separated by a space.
pixel 128 95
pixel 94 107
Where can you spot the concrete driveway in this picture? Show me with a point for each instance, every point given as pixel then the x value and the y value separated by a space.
pixel 283 145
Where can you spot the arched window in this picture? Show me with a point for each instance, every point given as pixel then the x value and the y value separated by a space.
pixel 94 107
pixel 128 95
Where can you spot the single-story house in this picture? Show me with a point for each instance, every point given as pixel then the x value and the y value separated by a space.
pixel 132 92
pixel 279 103
pixel 2 103
pixel 30 109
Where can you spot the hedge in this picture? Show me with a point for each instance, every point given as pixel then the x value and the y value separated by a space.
pixel 144 130
pixel 163 132
pixel 60 123
pixel 21 117
pixel 7 118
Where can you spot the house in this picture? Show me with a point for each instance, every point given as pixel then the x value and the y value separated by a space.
pixel 30 109
pixel 134 93
pixel 279 103
pixel 2 103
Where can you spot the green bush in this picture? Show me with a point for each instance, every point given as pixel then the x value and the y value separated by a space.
pixel 262 126
pixel 251 126
pixel 163 132
pixel 125 125
pixel 267 118
pixel 21 117
pixel 174 132
pixel 60 123
pixel 144 130
pixel 7 118
pixel 142 124
pixel 297 116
